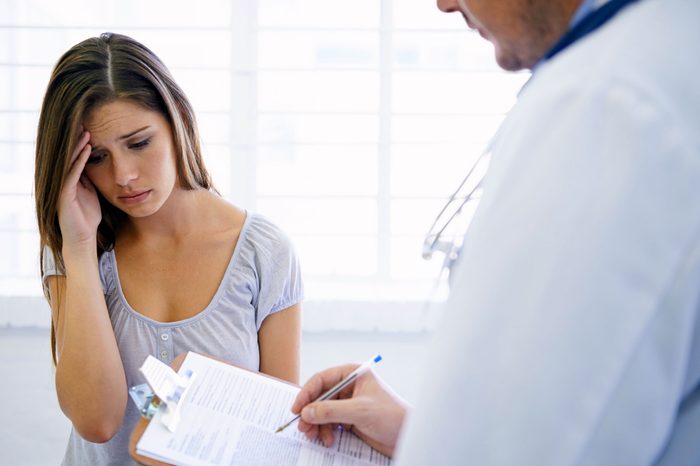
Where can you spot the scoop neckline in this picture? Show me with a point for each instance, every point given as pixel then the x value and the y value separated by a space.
pixel 212 303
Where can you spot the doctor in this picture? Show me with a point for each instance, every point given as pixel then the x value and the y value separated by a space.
pixel 572 333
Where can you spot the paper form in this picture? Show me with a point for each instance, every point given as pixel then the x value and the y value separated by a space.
pixel 229 418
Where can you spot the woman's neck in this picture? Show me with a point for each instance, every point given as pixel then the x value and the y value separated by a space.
pixel 182 215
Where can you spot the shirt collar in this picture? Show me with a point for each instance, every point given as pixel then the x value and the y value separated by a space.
pixel 584 9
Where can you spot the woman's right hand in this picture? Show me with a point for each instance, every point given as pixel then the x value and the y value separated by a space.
pixel 79 211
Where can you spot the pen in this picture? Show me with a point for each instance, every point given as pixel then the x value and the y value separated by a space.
pixel 338 387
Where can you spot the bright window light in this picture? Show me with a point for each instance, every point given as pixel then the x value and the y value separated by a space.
pixel 347 123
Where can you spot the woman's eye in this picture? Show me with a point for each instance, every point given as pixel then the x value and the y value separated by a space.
pixel 95 158
pixel 141 144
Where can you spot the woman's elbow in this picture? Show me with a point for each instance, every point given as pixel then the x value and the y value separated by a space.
pixel 94 419
pixel 97 431
pixel 97 424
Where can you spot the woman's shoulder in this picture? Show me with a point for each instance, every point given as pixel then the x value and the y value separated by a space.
pixel 263 235
pixel 258 236
pixel 271 258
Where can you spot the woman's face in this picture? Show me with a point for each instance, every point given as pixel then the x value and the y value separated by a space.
pixel 132 163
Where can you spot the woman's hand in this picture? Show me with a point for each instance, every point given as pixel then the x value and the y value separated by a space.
pixel 79 211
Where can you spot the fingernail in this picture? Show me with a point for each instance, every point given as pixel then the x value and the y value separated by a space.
pixel 309 413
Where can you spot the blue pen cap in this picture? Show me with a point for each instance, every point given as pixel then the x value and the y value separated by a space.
pixel 378 358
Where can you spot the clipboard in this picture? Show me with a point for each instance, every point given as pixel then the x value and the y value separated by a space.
pixel 147 407
pixel 231 414
pixel 142 423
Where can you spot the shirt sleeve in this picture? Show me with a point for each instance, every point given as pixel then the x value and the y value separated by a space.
pixel 49 268
pixel 279 273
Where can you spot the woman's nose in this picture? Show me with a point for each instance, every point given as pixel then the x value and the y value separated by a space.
pixel 125 171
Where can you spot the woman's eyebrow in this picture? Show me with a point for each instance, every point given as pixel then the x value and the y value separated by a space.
pixel 126 136
pixel 121 138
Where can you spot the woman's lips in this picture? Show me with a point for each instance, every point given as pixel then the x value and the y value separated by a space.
pixel 136 197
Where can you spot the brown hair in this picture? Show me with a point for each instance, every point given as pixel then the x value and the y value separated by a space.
pixel 96 71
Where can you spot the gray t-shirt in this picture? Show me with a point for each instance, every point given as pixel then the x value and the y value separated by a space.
pixel 263 277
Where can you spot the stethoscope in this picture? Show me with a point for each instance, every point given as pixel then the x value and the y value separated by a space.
pixel 470 187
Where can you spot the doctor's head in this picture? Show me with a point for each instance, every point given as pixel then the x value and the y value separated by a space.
pixel 521 31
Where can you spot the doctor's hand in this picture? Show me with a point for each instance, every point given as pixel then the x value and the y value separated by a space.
pixel 79 211
pixel 368 407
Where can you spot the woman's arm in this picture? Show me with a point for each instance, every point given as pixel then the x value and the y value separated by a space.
pixel 279 339
pixel 90 380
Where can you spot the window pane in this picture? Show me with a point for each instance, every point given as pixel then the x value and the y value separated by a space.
pixel 319 91
pixel 343 256
pixel 319 13
pixel 217 158
pixel 122 13
pixel 214 128
pixel 193 49
pixel 208 91
pixel 6 88
pixel 407 262
pixel 308 49
pixel 19 269
pixel 299 216
pixel 470 129
pixel 197 48
pixel 320 170
pixel 37 46
pixel 23 87
pixel 18 126
pixel 16 168
pixel 17 212
pixel 454 92
pixel 430 170
pixel 7 44
pixel 443 50
pixel 328 129
pixel 423 14
pixel 412 217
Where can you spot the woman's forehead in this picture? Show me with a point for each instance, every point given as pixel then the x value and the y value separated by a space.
pixel 120 115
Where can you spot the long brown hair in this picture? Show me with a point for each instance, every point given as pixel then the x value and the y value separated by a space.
pixel 94 72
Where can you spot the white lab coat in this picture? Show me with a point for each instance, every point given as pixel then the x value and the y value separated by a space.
pixel 572 333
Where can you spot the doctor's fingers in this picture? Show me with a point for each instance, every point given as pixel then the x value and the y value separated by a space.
pixel 325 433
pixel 345 411
pixel 321 382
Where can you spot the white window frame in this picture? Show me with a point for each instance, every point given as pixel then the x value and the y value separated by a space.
pixel 382 311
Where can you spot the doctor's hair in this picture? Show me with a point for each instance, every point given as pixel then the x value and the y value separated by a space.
pixel 94 72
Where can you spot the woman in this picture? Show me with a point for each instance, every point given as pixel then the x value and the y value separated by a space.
pixel 139 254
